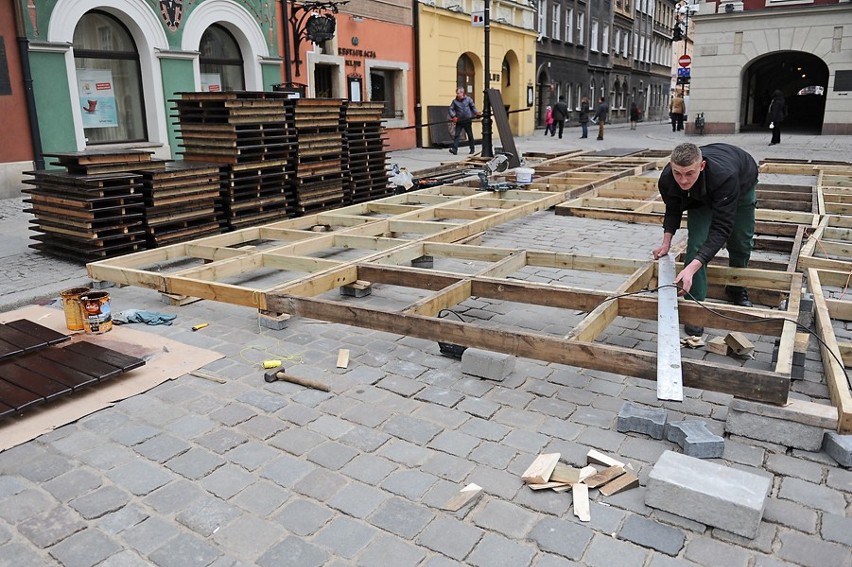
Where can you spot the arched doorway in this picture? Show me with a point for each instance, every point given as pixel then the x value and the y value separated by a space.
pixel 542 95
pixel 802 77
pixel 513 95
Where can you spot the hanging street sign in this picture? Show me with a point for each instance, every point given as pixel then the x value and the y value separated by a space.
pixel 684 60
pixel 477 19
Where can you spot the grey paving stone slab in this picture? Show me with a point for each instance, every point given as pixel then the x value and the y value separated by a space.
pixel 495 550
pixel 706 551
pixel 102 501
pixel 331 455
pixel 247 537
pixel 221 440
pixel 454 443
pixel 263 426
pixel 695 439
pixel 296 441
pixel 207 515
pixel 813 495
pixel 651 534
pixel 48 528
pixel 175 496
pixel 493 454
pixel 286 470
pixel 764 428
pixel 839 479
pixel 330 426
pixel 345 537
pixel 450 537
pixel 25 556
pixel 184 549
pixel 72 484
pixel 604 551
pixel 649 421
pixel 791 514
pixel 441 396
pixel 601 439
pixel 120 520
pixel 294 552
pixel 401 517
pixel 11 485
pixel 839 447
pixel 448 467
pixel 162 447
pixel 124 558
pixel 321 485
pixel 404 453
pixel 567 539
pixel 529 441
pixel 261 498
pixel 358 500
pixel 233 414
pixel 484 429
pixel 195 463
pixel 252 455
pixel 227 480
pixel 412 429
pixel 139 477
pixel 364 439
pixel 505 518
pixel 45 467
pixel 411 484
pixel 785 465
pixel 369 469
pixel 303 517
pixel 84 549
pixel 837 529
pixel 385 550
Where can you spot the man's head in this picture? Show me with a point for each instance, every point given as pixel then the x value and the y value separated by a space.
pixel 459 93
pixel 687 164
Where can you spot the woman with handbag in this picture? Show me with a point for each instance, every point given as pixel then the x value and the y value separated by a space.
pixel 776 115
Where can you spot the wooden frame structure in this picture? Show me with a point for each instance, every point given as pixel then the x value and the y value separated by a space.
pixel 294 266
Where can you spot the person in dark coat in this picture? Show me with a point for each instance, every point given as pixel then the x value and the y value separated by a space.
pixel 776 115
pixel 584 117
pixel 715 184
pixel 601 113
pixel 635 114
pixel 560 115
pixel 461 112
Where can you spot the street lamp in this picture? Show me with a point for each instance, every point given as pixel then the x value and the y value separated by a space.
pixel 487 149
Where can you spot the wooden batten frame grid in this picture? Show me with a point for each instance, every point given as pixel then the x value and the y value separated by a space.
pixel 389 233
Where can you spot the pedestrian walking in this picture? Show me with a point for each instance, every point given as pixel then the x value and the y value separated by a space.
pixel 635 114
pixel 560 115
pixel 584 117
pixel 601 113
pixel 776 115
pixel 548 122
pixel 462 111
pixel 677 109
pixel 715 184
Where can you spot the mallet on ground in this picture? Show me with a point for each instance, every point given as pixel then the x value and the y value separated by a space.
pixel 275 375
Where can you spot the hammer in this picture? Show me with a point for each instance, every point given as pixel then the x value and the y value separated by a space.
pixel 274 375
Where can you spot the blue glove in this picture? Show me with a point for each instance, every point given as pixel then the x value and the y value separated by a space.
pixel 142 316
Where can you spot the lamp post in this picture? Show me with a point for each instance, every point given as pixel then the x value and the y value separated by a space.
pixel 487 150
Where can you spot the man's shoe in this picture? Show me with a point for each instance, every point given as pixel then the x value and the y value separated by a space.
pixel 600 138
pixel 471 151
pixel 453 151
pixel 693 331
pixel 738 296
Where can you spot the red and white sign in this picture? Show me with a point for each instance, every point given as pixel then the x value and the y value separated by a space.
pixel 684 61
pixel 477 19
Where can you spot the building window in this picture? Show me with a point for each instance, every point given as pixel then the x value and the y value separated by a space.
pixel 605 39
pixel 557 22
pixel 220 61
pixel 593 40
pixel 542 18
pixel 465 75
pixel 109 81
pixel 384 87
pixel 569 25
pixel 581 28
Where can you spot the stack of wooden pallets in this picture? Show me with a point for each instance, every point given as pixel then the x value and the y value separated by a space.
pixel 251 135
pixel 321 180
pixel 365 141
pixel 180 202
pixel 94 210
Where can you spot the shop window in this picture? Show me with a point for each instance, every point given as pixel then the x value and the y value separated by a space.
pixel 385 86
pixel 220 61
pixel 465 75
pixel 109 82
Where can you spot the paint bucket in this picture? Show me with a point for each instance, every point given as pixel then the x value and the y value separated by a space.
pixel 71 305
pixel 524 175
pixel 96 311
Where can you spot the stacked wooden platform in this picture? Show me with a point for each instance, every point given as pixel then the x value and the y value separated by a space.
pixel 365 144
pixel 321 181
pixel 252 135
pixel 94 210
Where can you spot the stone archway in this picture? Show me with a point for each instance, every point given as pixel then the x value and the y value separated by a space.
pixel 796 74
pixel 543 93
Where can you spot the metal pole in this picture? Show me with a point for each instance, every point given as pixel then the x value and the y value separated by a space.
pixel 487 150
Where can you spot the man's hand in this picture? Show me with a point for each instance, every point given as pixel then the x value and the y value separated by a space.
pixel 684 278
pixel 661 251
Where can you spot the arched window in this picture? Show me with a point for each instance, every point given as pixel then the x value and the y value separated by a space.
pixel 465 75
pixel 221 63
pixel 109 81
pixel 507 72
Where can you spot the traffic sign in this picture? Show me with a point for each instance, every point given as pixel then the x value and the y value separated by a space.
pixel 683 72
pixel 684 60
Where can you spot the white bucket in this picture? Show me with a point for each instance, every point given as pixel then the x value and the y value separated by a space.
pixel 524 174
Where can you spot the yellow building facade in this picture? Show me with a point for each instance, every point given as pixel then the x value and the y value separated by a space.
pixel 451 54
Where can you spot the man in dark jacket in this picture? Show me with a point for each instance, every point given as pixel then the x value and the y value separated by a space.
pixel 715 184
pixel 601 113
pixel 560 115
pixel 462 110
pixel 776 115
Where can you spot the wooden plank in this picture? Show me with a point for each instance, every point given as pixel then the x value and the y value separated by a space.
pixel 541 468
pixel 464 497
pixel 595 456
pixel 100 370
pixel 41 332
pixel 669 376
pixel 38 384
pixel 580 493
pixel 604 476
pixel 343 358
pixel 624 482
pixel 109 356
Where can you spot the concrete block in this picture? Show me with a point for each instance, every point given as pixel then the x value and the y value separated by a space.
pixel 274 321
pixel 806 310
pixel 358 288
pixel 650 421
pixel 695 439
pixel 713 494
pixel 838 447
pixel 788 426
pixel 423 262
pixel 487 364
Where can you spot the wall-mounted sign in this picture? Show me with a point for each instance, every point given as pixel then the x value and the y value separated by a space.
pixel 477 19
pixel 320 28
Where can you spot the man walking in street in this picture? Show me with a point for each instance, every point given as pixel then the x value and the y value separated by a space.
pixel 599 118
pixel 461 112
pixel 678 109
pixel 560 115
pixel 715 184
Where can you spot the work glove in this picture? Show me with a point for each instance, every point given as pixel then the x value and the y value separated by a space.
pixel 142 316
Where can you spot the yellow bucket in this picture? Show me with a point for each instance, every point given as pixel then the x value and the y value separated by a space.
pixel 71 305
pixel 96 311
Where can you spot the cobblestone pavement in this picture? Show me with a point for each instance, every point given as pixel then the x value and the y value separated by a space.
pixel 194 472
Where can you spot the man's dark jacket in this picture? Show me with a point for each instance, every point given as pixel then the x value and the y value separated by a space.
pixel 560 111
pixel 730 172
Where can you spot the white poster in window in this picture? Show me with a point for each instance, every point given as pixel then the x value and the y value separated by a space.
pixel 97 98
pixel 211 83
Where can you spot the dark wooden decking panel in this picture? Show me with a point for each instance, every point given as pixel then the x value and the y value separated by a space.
pixel 111 357
pixel 49 336
pixel 8 349
pixel 38 384
pixel 96 368
pixel 72 378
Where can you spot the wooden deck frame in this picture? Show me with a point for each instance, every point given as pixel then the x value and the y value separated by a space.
pixel 388 234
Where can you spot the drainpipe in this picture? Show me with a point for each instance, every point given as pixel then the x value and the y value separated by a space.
pixel 23 49
pixel 285 23
pixel 418 107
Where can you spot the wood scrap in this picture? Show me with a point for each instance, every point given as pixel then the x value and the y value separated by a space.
pixel 692 342
pixel 552 484
pixel 565 474
pixel 604 476
pixel 580 493
pixel 465 496
pixel 717 345
pixel 541 468
pixel 595 456
pixel 623 482
pixel 739 343
pixel 343 358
